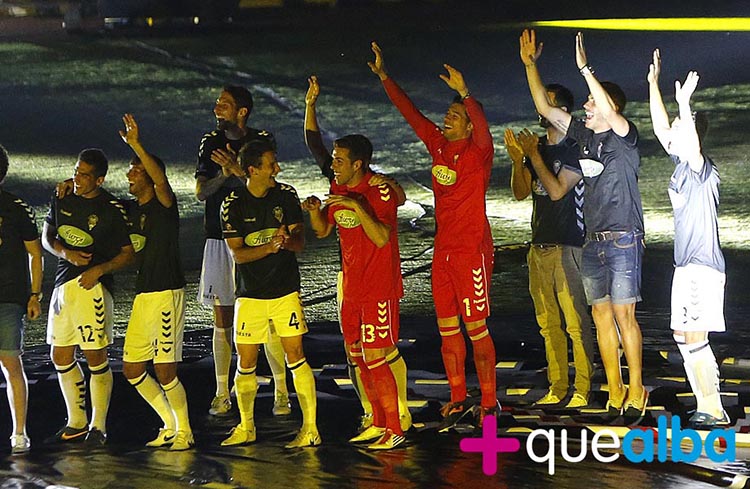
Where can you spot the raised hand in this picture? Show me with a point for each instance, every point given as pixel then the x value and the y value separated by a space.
pixel 313 90
pixel 515 151
pixel 581 59
pixel 529 51
pixel 529 142
pixel 455 80
pixel 377 66
pixel 654 69
pixel 130 135
pixel 311 204
pixel 682 93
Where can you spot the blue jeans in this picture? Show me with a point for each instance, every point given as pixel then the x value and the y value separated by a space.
pixel 611 269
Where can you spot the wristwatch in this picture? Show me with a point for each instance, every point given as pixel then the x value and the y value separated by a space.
pixel 39 295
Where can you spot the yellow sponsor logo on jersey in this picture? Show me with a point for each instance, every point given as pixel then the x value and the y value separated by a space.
pixel 346 218
pixel 444 175
pixel 259 238
pixel 139 241
pixel 74 236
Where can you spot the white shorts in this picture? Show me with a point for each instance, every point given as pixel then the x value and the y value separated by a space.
pixel 155 328
pixel 698 299
pixel 80 317
pixel 217 275
pixel 255 318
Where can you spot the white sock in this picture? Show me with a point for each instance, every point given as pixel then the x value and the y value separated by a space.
pixel 175 393
pixel 247 386
pixel 700 359
pixel 222 347
pixel 152 393
pixel 275 356
pixel 101 392
pixel 73 387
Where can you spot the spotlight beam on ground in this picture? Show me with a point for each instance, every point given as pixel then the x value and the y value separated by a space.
pixel 654 24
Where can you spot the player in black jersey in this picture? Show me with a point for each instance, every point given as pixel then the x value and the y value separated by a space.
pixel 217 174
pixel 88 232
pixel 263 228
pixel 156 324
pixel 19 295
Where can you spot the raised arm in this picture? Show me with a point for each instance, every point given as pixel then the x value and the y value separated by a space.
pixel 604 104
pixel 556 185
pixel 318 217
pixel 313 137
pixel 520 176
pixel 131 137
pixel 691 149
pixel 530 53
pixel 659 116
pixel 481 132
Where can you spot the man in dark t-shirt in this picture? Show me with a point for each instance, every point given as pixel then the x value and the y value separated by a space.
pixel 217 174
pixel 88 232
pixel 613 250
pixel 20 293
pixel 555 254
pixel 157 320
pixel 263 229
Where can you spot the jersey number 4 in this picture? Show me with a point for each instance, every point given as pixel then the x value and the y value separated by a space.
pixel 293 321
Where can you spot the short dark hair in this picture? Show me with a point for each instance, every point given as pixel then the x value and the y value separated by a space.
pixel 157 160
pixel 701 125
pixel 360 148
pixel 616 94
pixel 251 153
pixel 3 163
pixel 460 101
pixel 96 158
pixel 242 97
pixel 563 96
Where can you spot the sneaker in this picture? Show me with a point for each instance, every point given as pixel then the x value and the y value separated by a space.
pixel 163 439
pixel 19 444
pixel 404 421
pixel 183 440
pixel 95 437
pixel 615 407
pixel 482 412
pixel 633 410
pixel 452 413
pixel 577 401
pixel 702 421
pixel 371 433
pixel 305 439
pixel 66 434
pixel 281 405
pixel 388 441
pixel 365 421
pixel 220 406
pixel 549 399
pixel 239 436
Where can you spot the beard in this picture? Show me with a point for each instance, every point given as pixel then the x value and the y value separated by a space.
pixel 223 124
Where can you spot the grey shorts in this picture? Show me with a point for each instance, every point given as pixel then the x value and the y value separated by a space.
pixel 11 329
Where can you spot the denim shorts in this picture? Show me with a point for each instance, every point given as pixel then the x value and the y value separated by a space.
pixel 611 269
pixel 11 328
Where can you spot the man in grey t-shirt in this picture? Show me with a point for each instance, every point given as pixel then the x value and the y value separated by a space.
pixel 613 250
pixel 698 282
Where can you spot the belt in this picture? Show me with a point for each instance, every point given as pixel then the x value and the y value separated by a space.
pixel 606 235
pixel 545 246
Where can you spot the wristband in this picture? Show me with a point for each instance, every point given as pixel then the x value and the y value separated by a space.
pixel 468 94
pixel 587 70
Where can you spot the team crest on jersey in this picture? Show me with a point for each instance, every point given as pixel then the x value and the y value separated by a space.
pixel 444 175
pixel 93 220
pixel 278 213
pixel 143 221
pixel 228 226
pixel 346 218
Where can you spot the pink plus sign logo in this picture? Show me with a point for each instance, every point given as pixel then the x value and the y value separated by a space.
pixel 489 445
